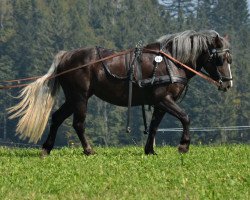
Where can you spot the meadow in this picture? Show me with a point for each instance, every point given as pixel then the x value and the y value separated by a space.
pixel 206 172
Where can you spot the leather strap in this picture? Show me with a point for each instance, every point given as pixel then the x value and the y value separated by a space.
pixel 160 80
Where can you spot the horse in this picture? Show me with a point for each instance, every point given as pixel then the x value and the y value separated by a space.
pixel 156 81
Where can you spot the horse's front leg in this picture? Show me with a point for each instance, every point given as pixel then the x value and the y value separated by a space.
pixel 170 106
pixel 157 116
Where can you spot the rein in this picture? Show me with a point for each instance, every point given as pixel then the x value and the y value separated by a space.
pixel 185 66
pixel 59 74
pixel 103 59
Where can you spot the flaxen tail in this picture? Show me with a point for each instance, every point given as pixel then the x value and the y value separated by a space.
pixel 36 104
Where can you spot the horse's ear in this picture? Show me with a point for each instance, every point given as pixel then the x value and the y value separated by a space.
pixel 226 37
pixel 218 41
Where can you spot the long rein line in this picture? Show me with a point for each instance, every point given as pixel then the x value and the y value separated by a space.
pixel 103 59
pixel 202 75
pixel 59 74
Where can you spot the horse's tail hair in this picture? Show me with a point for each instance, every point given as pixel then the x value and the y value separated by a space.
pixel 37 100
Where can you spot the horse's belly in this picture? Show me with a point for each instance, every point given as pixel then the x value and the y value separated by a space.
pixel 117 93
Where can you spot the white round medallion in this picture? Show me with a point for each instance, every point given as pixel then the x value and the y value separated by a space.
pixel 158 59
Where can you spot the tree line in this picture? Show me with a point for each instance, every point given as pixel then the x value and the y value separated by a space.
pixel 33 31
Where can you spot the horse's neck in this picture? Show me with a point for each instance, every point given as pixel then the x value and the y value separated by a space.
pixel 200 62
pixel 168 50
pixel 188 73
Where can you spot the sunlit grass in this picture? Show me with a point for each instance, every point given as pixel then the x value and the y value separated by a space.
pixel 221 172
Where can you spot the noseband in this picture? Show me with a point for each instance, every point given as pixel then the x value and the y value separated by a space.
pixel 216 61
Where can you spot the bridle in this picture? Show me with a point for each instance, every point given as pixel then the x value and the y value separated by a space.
pixel 214 58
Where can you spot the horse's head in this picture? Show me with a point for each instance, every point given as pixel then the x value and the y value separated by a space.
pixel 218 62
pixel 202 49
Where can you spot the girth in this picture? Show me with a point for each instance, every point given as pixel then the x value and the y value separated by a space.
pixel 161 80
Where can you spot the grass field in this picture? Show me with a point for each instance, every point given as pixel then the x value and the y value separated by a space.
pixel 220 172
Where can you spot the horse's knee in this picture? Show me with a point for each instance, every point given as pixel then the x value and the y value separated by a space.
pixel 185 119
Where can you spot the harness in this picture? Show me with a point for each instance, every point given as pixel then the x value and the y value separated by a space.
pixel 134 69
pixel 216 61
pixel 133 65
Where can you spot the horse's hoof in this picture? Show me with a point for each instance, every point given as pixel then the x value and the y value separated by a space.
pixel 152 152
pixel 44 153
pixel 88 152
pixel 183 148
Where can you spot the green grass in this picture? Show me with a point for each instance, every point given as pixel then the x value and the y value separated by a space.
pixel 221 172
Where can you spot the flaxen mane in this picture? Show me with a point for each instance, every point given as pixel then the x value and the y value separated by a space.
pixel 188 45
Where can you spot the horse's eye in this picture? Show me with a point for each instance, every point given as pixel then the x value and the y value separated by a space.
pixel 229 60
pixel 229 57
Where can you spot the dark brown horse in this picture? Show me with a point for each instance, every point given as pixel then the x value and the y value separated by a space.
pixel 157 81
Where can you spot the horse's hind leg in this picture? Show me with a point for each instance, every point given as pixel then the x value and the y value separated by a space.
pixel 57 119
pixel 79 125
pixel 158 114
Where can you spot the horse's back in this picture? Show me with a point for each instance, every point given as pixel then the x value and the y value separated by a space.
pixel 76 57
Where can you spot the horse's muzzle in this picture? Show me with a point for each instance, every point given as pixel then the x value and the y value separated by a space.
pixel 225 85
